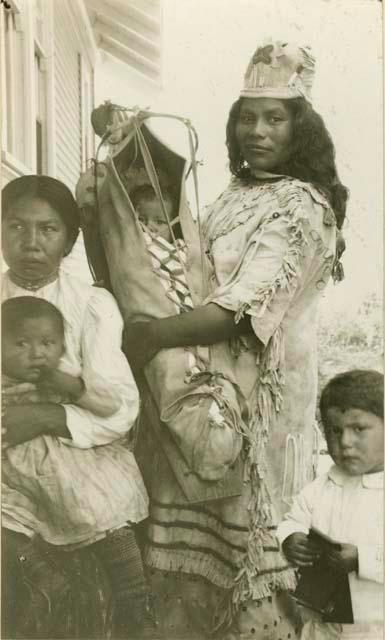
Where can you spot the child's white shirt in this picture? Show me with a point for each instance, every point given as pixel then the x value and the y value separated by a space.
pixel 349 509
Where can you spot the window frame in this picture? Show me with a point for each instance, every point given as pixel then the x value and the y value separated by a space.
pixel 18 162
pixel 86 93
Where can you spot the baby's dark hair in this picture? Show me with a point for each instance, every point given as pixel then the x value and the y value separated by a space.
pixel 16 310
pixel 356 389
pixel 146 193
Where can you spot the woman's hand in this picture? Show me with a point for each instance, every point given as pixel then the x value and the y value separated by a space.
pixel 139 343
pixel 300 551
pixel 202 326
pixel 85 190
pixel 345 559
pixel 16 425
pixel 24 422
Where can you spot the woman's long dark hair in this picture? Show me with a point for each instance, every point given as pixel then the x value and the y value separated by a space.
pixel 312 157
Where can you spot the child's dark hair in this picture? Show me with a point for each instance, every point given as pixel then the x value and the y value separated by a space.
pixel 356 389
pixel 312 157
pixel 15 311
pixel 146 193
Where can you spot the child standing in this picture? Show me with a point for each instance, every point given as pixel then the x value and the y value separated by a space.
pixel 74 497
pixel 346 503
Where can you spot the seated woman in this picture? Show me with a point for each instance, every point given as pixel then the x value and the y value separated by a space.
pixel 81 485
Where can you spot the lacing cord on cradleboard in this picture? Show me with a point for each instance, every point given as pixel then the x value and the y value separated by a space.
pixel 136 118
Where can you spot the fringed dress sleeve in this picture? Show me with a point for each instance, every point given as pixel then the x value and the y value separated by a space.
pixel 277 262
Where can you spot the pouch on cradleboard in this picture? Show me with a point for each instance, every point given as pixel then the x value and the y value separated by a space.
pixel 202 413
pixel 204 410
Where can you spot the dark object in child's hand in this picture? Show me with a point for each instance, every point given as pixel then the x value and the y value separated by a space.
pixel 323 588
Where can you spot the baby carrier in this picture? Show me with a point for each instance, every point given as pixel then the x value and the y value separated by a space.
pixel 200 411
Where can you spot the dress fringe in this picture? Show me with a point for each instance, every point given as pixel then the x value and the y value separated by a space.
pixel 256 580
pixel 203 566
pixel 261 572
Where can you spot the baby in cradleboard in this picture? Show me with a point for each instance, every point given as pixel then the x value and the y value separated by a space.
pixel 346 505
pixel 168 252
pixel 166 255
pixel 71 497
pixel 150 213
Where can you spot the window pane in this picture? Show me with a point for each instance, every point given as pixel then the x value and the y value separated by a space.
pixel 40 93
pixel 14 87
pixel 39 148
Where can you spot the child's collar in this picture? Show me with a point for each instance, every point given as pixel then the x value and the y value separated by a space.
pixel 369 480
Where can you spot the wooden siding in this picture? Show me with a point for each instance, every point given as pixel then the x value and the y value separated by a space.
pixel 67 103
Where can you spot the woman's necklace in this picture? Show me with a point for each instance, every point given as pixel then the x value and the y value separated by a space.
pixel 33 285
pixel 266 176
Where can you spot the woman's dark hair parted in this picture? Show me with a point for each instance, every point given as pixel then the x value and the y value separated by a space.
pixel 312 157
pixel 48 189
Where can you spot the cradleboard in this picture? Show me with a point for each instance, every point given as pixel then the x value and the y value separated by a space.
pixel 203 450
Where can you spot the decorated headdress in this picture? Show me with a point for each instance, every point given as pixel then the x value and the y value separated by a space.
pixel 280 70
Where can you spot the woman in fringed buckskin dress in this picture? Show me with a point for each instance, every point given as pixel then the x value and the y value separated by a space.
pixel 271 237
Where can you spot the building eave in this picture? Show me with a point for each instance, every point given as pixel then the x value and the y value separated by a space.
pixel 130 32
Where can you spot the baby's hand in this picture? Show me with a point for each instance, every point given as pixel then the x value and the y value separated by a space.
pixel 345 560
pixel 48 378
pixel 300 551
pixel 54 380
pixel 47 383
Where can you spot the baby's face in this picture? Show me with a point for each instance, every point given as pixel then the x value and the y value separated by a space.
pixel 355 440
pixel 152 216
pixel 36 344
